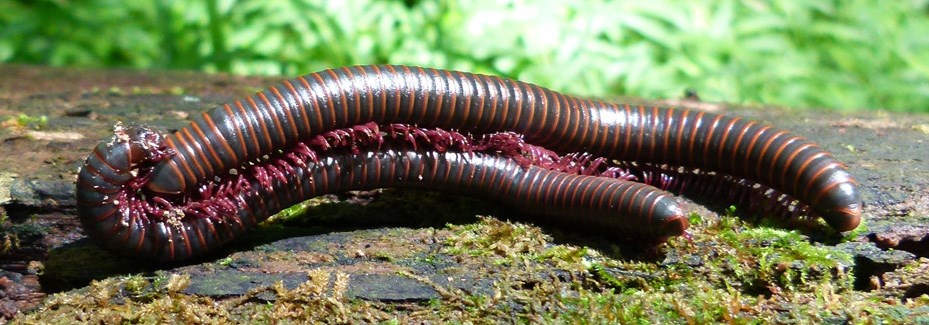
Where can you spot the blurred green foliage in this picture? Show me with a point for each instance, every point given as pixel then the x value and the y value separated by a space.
pixel 816 53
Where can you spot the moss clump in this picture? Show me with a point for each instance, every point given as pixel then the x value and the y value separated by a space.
pixel 728 272
pixel 492 237
pixel 23 121
pixel 763 260
pixel 128 300
pixel 13 236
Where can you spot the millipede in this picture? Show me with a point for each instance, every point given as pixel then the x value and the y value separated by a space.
pixel 173 197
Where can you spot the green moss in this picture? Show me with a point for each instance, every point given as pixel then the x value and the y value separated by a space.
pixel 27 121
pixel 730 272
pixel 494 238
pixel 114 91
pixel 12 236
pixel 177 91
pixel 772 257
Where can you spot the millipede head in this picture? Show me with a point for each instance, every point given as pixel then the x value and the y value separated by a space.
pixel 841 206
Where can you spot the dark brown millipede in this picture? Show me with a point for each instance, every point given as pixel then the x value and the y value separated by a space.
pixel 273 121
pixel 611 206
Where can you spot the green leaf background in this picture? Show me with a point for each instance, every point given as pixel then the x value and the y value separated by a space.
pixel 845 55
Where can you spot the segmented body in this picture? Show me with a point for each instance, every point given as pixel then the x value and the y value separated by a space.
pixel 611 206
pixel 244 131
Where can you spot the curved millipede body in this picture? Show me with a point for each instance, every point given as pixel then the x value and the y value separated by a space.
pixel 232 134
pixel 129 190
pixel 608 205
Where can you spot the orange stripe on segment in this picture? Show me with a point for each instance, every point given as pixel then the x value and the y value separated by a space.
pixel 341 94
pixel 195 150
pixel 238 131
pixel 442 91
pixel 446 171
pixel 777 155
pixel 722 144
pixel 818 173
pixel 471 171
pixel 484 171
pixel 319 118
pixel 250 128
pixel 404 88
pixel 530 102
pixel 819 195
pixel 397 90
pixel 709 137
pixel 594 127
pixel 651 208
pixel 557 186
pixel 698 122
pixel 635 194
pixel 654 128
pixel 506 94
pixel 627 130
pixel 435 170
pixel 559 100
pixel 275 119
pixel 590 195
pixel 571 120
pixel 138 244
pixel 107 215
pixel 128 229
pixel 406 167
pixel 604 223
pixel 391 169
pixel 545 109
pixel 535 196
pixel 478 85
pixel 806 163
pixel 506 182
pixel 587 117
pixel 425 93
pixel 170 243
pixel 99 174
pixel 299 99
pixel 521 188
pixel 613 143
pixel 287 108
pixel 103 160
pixel 382 93
pixel 188 171
pixel 200 237
pixel 453 100
pixel 326 92
pixel 113 228
pixel 738 140
pixel 494 97
pixel 377 170
pixel 668 122
pixel 652 143
pixel 187 247
pixel 640 137
pixel 610 187
pixel 685 117
pixel 764 151
pixel 569 189
pixel 367 86
pixel 261 122
pixel 751 146
pixel 623 197
pixel 357 94
pixel 217 161
pixel 791 158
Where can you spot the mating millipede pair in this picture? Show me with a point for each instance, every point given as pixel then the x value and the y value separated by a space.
pixel 127 187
